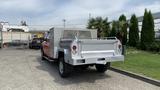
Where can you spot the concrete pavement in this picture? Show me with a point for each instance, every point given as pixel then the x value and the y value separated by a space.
pixel 23 70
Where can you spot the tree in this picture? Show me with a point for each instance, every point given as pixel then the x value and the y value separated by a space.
pixel 144 30
pixel 133 31
pixel 105 28
pixel 113 32
pixel 98 26
pixel 122 32
pixel 151 27
pixel 96 23
pixel 147 32
pixel 101 25
pixel 122 18
pixel 91 23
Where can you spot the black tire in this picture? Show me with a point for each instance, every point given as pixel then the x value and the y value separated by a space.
pixel 84 67
pixel 30 47
pixel 102 68
pixel 63 68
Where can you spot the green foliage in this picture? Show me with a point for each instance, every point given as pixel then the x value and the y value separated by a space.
pixel 106 28
pixel 153 47
pixel 119 29
pixel 91 23
pixel 123 29
pixel 144 30
pixel 101 25
pixel 133 31
pixel 147 33
pixel 113 32
pixel 151 27
pixel 122 18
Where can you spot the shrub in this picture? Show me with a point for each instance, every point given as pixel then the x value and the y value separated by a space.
pixel 155 47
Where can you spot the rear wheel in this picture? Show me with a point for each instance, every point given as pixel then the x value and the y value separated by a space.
pixel 102 68
pixel 84 67
pixel 63 68
pixel 30 47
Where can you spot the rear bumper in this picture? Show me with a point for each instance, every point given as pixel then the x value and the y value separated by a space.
pixel 103 60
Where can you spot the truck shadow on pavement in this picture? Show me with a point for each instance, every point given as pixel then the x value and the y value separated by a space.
pixel 88 76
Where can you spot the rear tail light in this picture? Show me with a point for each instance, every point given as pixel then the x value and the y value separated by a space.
pixel 119 46
pixel 74 48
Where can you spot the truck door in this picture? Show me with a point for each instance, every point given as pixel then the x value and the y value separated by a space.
pixel 46 44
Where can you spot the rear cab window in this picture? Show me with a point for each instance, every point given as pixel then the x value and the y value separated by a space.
pixel 72 34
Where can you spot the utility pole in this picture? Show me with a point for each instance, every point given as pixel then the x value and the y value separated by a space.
pixel 1 36
pixel 89 16
pixel 64 23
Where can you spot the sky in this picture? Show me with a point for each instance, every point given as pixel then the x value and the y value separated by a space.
pixel 75 12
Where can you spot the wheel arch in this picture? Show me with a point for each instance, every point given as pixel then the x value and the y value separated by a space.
pixel 65 54
pixel 60 54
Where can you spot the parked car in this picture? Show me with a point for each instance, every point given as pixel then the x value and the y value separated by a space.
pixel 73 48
pixel 35 43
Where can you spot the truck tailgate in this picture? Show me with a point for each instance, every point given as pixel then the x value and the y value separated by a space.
pixel 98 48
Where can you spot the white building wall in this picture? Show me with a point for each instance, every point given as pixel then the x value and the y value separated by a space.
pixel 157 25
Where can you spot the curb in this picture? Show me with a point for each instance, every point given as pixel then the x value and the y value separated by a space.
pixel 137 76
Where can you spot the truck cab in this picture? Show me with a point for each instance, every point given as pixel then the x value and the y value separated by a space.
pixel 80 48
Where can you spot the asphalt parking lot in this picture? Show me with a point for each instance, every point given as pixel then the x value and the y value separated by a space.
pixel 22 69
